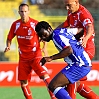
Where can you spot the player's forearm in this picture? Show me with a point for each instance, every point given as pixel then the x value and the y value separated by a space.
pixel 8 43
pixel 44 44
pixel 64 53
pixel 90 31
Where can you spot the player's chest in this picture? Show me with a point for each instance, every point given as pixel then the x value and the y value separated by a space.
pixel 25 31
pixel 74 21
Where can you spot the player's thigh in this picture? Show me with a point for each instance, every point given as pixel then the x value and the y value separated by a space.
pixel 59 80
pixel 24 70
pixel 39 70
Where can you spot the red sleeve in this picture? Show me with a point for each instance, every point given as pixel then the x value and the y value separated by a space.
pixel 86 18
pixel 11 33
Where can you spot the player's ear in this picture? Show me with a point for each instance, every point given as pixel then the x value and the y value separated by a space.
pixel 50 29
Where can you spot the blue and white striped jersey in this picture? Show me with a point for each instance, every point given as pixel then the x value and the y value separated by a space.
pixel 64 37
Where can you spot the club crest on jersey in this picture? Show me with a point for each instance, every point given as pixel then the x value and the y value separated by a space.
pixel 75 23
pixel 29 31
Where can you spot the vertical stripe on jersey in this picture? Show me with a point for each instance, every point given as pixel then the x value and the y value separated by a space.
pixel 66 39
pixel 17 26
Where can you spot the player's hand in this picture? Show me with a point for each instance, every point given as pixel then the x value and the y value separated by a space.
pixel 84 42
pixel 6 49
pixel 44 60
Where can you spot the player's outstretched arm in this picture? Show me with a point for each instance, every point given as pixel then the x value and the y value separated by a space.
pixel 64 53
pixel 8 44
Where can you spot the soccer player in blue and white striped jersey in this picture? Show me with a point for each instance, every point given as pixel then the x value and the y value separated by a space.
pixel 79 63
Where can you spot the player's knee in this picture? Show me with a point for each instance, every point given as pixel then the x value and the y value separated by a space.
pixel 44 76
pixel 52 86
pixel 77 83
pixel 23 82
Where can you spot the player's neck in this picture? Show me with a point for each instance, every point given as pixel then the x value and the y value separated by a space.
pixel 25 20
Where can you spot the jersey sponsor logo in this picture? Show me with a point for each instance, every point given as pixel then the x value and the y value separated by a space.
pixel 22 37
pixel 25 37
pixel 29 37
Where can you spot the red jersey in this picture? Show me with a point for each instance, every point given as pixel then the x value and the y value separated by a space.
pixel 80 19
pixel 27 38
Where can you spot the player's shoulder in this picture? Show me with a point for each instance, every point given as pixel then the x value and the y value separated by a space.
pixel 33 20
pixel 83 10
pixel 16 21
pixel 59 31
pixel 56 33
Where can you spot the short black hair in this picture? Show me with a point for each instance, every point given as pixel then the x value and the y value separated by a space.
pixel 42 24
pixel 23 4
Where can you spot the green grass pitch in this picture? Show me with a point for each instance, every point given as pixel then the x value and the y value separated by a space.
pixel 38 93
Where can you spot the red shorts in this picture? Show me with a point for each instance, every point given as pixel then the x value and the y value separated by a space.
pixel 26 66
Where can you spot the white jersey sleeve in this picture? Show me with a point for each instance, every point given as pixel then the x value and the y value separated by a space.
pixel 72 30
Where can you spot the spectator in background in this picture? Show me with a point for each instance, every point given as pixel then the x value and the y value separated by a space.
pixel 24 1
pixel 40 1
pixel 29 50
pixel 33 2
pixel 79 17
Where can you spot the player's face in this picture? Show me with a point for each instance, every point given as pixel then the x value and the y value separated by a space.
pixel 71 5
pixel 45 34
pixel 24 12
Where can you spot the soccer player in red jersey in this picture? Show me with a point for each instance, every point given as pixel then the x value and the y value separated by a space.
pixel 79 17
pixel 29 50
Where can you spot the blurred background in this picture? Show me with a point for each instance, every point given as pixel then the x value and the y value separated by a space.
pixel 52 11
